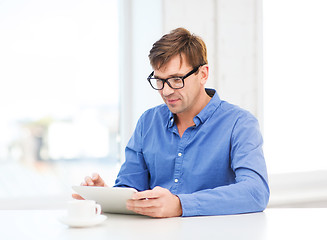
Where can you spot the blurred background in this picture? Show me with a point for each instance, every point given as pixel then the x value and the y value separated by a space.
pixel 73 84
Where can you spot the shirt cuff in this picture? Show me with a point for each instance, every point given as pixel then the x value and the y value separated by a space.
pixel 190 205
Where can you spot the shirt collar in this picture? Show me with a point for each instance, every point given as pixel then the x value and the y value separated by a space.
pixel 205 113
pixel 209 109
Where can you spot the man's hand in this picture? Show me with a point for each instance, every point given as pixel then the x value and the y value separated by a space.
pixel 158 202
pixel 95 180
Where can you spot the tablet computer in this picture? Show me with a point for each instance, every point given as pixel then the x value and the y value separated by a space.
pixel 111 199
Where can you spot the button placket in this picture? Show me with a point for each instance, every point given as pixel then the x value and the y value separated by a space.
pixel 180 157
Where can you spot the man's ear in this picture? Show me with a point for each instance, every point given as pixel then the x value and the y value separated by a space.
pixel 204 74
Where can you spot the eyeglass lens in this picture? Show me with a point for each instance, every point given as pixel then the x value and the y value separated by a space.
pixel 172 82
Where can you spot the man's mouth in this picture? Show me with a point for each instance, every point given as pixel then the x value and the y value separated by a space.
pixel 172 101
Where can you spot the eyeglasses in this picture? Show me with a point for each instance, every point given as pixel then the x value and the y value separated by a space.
pixel 173 82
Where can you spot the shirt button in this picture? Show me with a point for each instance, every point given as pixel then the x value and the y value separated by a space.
pixel 176 180
pixel 179 154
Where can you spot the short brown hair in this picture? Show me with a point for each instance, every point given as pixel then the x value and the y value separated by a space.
pixel 179 41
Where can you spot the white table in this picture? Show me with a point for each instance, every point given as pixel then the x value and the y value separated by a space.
pixel 271 224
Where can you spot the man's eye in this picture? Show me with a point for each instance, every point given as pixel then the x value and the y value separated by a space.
pixel 175 80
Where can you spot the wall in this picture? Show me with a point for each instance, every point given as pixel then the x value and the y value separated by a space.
pixel 140 27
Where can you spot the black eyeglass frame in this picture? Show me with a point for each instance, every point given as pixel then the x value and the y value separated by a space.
pixel 167 79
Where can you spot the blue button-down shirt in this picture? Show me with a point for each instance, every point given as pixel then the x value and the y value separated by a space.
pixel 216 167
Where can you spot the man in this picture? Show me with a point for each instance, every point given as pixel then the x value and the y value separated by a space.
pixel 195 154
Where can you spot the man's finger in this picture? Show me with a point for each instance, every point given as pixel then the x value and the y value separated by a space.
pixel 97 180
pixel 88 181
pixel 145 203
pixel 77 196
pixel 145 211
pixel 146 195
pixel 95 177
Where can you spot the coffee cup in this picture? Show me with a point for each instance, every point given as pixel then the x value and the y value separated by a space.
pixel 83 209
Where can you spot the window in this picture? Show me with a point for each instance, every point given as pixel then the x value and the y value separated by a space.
pixel 295 84
pixel 59 94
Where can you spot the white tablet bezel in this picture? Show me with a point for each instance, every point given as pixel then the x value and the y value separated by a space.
pixel 111 199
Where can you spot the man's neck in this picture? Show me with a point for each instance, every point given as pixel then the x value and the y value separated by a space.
pixel 184 120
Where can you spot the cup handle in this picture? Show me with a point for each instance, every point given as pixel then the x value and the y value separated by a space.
pixel 98 209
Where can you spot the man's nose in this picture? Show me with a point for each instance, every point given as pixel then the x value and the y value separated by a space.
pixel 167 90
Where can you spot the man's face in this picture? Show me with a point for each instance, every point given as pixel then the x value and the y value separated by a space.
pixel 179 100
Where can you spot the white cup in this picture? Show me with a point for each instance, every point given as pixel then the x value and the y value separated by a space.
pixel 83 209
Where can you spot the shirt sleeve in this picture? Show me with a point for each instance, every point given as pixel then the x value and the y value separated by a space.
pixel 133 172
pixel 250 192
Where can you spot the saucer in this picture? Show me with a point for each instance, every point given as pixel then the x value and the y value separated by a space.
pixel 73 222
